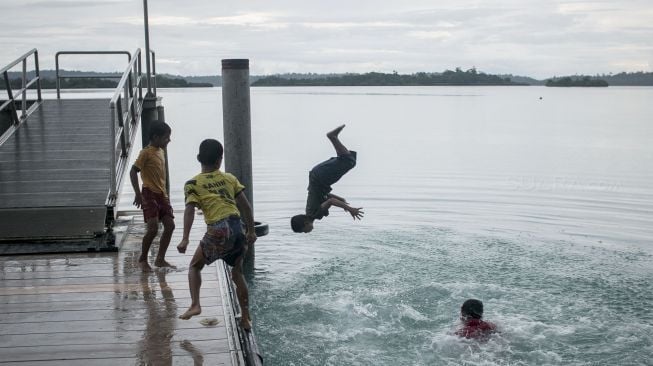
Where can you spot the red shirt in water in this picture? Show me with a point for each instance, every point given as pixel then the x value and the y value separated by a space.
pixel 476 328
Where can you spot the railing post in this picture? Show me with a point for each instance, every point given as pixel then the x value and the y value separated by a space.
pixel 140 78
pixel 14 114
pixel 23 103
pixel 56 73
pixel 154 72
pixel 132 106
pixel 112 176
pixel 121 123
pixel 38 75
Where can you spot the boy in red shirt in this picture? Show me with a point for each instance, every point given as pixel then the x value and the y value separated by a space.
pixel 471 314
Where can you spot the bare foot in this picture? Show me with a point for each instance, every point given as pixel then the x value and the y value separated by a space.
pixel 163 263
pixel 246 324
pixel 145 267
pixel 191 312
pixel 334 134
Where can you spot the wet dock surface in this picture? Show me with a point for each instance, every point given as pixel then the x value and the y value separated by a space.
pixel 102 309
pixel 55 169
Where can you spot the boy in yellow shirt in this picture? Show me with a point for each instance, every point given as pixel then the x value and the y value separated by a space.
pixel 221 198
pixel 153 198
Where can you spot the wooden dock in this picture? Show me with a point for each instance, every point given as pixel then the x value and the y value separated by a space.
pixel 101 309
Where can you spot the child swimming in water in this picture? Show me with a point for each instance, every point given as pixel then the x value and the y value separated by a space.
pixel 471 315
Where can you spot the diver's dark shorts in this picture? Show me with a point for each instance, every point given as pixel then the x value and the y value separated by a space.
pixel 155 205
pixel 224 240
pixel 330 171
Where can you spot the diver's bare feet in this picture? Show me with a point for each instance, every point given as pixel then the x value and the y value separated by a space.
pixel 246 324
pixel 334 134
pixel 191 312
pixel 144 266
pixel 163 263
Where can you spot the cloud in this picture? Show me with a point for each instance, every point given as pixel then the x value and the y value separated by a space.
pixel 68 3
pixel 164 20
pixel 437 35
pixel 247 19
pixel 357 51
pixel 350 25
pixel 528 36
pixel 254 20
pixel 167 61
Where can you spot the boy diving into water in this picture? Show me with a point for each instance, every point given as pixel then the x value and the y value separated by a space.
pixel 320 179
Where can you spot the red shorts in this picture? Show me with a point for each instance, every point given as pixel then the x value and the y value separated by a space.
pixel 155 205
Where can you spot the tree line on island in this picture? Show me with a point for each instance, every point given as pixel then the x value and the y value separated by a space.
pixel 96 81
pixel 449 77
pixel 584 81
pixel 457 77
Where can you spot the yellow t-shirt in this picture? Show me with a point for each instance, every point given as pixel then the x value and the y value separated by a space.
pixel 215 194
pixel 151 163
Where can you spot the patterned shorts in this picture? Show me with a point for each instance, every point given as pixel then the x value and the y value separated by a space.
pixel 224 240
pixel 155 205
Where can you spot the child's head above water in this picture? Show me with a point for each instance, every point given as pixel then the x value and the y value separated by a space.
pixel 472 309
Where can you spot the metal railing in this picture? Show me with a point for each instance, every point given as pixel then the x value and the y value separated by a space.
pixel 152 83
pixel 126 107
pixel 59 77
pixel 10 103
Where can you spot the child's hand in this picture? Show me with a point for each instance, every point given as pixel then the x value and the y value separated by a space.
pixel 181 248
pixel 138 200
pixel 356 213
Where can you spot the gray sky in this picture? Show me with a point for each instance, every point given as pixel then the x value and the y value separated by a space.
pixel 539 38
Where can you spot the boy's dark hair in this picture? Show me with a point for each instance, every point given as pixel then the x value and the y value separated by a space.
pixel 158 128
pixel 297 223
pixel 472 308
pixel 210 152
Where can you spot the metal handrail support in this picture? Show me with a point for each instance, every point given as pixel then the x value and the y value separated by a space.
pixel 56 62
pixel 140 72
pixel 22 93
pixel 153 75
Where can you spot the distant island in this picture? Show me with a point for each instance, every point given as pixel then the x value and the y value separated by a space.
pixel 584 81
pixel 457 77
pixel 98 81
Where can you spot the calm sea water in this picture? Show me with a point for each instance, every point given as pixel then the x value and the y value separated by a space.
pixel 538 201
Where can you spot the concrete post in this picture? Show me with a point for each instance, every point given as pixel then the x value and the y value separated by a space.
pixel 149 114
pixel 236 122
pixel 161 113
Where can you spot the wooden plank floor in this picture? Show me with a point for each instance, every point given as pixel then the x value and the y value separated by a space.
pixel 101 309
pixel 58 157
pixel 55 169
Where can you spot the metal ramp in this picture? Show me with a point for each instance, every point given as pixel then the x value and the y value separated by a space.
pixel 62 162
